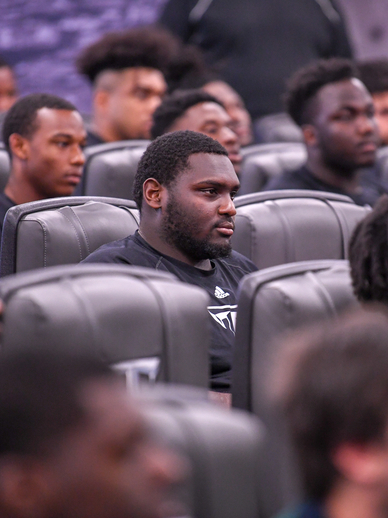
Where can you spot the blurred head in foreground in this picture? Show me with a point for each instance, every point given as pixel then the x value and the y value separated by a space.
pixel 332 384
pixel 73 445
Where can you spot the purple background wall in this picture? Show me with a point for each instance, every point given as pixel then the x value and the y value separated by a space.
pixel 41 39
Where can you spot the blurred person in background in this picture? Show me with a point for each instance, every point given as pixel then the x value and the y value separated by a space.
pixel 336 114
pixel 374 75
pixel 127 72
pixel 44 136
pixel 256 45
pixel 196 110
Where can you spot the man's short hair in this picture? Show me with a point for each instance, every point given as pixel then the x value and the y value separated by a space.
pixel 175 105
pixel 334 390
pixel 168 156
pixel 148 47
pixel 307 81
pixel 368 255
pixel 374 75
pixel 21 117
pixel 4 63
pixel 40 398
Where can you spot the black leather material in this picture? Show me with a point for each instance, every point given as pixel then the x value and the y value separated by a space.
pixel 223 447
pixel 273 302
pixel 110 168
pixel 62 230
pixel 278 127
pixel 277 227
pixel 119 313
pixel 261 162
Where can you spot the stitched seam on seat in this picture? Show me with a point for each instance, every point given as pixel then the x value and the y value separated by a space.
pixel 76 234
pixel 44 229
pixel 83 229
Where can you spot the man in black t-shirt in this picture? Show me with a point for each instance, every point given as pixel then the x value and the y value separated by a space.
pixel 184 188
pixel 336 114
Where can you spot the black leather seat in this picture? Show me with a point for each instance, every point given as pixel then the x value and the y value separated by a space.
pixel 62 230
pixel 277 227
pixel 148 324
pixel 264 161
pixel 222 445
pixel 278 127
pixel 272 302
pixel 110 168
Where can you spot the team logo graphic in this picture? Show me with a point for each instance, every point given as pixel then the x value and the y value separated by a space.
pixel 225 316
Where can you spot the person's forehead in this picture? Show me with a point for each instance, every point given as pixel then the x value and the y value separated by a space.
pixel 334 96
pixel 380 99
pixel 52 121
pixel 142 77
pixel 209 167
pixel 223 92
pixel 111 410
pixel 7 78
pixel 204 113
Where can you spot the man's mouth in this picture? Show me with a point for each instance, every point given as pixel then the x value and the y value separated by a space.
pixel 367 146
pixel 226 228
pixel 73 178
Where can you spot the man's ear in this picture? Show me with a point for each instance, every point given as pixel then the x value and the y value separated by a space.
pixel 363 464
pixel 19 146
pixel 101 99
pixel 153 193
pixel 309 135
pixel 24 487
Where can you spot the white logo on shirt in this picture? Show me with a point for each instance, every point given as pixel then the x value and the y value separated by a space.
pixel 220 293
pixel 224 315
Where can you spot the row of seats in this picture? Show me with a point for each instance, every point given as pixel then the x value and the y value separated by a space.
pixel 155 328
pixel 272 228
pixel 152 327
pixel 110 168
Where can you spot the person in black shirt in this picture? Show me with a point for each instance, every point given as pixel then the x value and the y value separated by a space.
pixel 336 114
pixel 184 188
pixel 44 136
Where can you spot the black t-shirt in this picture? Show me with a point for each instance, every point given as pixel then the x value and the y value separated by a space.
pixel 256 45
pixel 220 282
pixel 370 187
pixel 93 139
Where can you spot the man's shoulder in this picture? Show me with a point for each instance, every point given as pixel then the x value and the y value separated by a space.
pixel 237 262
pixel 129 250
pixel 296 179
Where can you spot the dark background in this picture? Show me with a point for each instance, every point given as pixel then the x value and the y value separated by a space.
pixel 41 39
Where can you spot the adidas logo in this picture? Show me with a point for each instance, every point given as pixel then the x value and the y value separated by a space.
pixel 220 293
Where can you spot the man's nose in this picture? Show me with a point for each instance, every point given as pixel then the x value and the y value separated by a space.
pixel 227 206
pixel 78 157
pixel 229 137
pixel 367 125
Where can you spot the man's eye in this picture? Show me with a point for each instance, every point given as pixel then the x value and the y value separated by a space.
pixel 62 144
pixel 209 191
pixel 233 195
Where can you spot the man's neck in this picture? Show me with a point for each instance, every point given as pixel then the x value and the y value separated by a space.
pixel 154 240
pixel 105 131
pixel 21 192
pixel 345 180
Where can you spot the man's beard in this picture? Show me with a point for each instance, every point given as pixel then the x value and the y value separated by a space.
pixel 178 230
